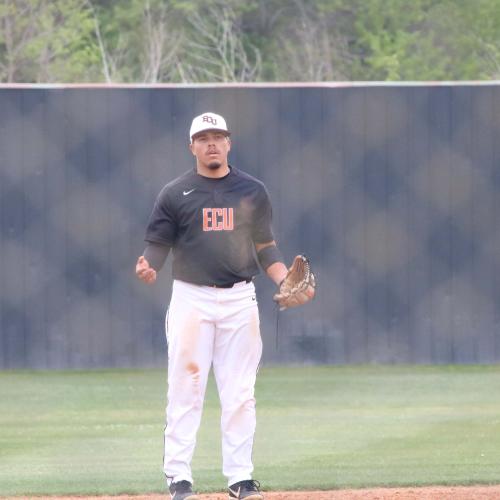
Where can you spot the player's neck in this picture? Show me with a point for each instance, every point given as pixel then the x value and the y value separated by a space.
pixel 213 173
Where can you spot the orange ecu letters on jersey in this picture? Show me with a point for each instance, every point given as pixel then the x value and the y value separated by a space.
pixel 218 219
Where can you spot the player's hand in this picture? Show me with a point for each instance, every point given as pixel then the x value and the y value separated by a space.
pixel 144 272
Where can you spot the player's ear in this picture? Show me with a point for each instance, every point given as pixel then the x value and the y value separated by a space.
pixel 228 139
pixel 191 148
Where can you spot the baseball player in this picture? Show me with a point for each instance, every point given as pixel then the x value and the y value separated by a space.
pixel 215 219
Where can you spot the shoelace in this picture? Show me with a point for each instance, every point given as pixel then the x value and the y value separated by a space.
pixel 277 309
pixel 255 484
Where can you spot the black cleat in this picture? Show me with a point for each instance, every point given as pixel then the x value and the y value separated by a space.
pixel 246 489
pixel 182 490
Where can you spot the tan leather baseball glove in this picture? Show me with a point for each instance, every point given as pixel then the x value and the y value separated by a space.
pixel 299 285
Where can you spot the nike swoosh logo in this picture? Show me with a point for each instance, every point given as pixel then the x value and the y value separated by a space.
pixel 185 193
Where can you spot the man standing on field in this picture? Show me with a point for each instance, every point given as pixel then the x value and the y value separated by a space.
pixel 215 218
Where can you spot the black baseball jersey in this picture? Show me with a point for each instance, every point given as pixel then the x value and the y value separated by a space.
pixel 212 225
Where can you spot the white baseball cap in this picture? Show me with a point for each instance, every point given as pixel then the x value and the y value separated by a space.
pixel 207 121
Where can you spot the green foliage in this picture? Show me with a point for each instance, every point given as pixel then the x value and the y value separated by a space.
pixel 46 41
pixel 248 40
pixel 472 37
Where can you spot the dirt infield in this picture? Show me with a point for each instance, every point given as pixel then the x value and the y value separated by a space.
pixel 426 493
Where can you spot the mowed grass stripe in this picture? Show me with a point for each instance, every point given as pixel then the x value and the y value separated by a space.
pixel 322 427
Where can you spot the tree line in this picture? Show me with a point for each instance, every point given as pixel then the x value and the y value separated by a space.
pixel 190 41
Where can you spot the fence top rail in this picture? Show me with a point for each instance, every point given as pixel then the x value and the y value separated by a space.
pixel 366 84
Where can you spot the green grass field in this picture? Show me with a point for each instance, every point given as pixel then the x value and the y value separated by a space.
pixel 318 427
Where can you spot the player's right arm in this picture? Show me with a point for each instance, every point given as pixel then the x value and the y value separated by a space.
pixel 160 234
pixel 151 261
pixel 144 271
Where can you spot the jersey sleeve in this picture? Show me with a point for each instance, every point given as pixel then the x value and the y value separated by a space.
pixel 162 227
pixel 156 254
pixel 262 221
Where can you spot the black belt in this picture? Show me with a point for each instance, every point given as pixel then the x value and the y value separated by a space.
pixel 230 285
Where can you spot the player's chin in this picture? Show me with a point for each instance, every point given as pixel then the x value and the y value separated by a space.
pixel 214 165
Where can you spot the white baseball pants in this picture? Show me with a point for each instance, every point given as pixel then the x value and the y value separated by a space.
pixel 208 325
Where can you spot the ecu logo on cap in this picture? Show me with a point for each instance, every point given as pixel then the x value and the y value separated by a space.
pixel 209 119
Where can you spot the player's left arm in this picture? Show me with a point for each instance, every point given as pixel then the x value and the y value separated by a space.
pixel 271 261
pixel 297 284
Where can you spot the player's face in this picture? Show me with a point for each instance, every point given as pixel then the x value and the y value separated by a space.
pixel 211 149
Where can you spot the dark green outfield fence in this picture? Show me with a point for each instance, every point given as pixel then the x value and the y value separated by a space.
pixel 392 191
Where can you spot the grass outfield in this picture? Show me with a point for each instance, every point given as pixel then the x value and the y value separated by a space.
pixel 318 427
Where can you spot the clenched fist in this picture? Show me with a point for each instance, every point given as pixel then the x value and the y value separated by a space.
pixel 144 271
